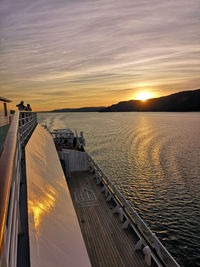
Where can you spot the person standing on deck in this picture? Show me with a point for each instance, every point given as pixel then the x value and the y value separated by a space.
pixel 28 108
pixel 21 106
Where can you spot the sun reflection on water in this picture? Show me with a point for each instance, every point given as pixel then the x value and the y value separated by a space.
pixel 40 203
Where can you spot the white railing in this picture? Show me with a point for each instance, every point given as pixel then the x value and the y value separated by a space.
pixel 27 123
pixel 10 169
pixel 129 216
pixel 19 131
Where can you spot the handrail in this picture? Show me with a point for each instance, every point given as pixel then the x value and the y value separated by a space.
pixel 6 164
pixel 27 123
pixel 149 237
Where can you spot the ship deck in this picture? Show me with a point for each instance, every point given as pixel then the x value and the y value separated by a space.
pixel 106 242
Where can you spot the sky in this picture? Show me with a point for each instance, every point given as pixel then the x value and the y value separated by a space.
pixel 78 53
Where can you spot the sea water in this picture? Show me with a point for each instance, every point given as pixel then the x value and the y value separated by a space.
pixel 154 160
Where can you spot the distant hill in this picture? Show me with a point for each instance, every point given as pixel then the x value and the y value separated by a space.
pixel 86 109
pixel 182 101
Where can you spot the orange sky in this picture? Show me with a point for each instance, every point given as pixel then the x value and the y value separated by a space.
pixel 57 54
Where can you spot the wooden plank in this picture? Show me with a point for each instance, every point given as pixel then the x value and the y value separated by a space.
pixel 106 242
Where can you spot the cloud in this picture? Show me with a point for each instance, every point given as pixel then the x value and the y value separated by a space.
pixel 71 46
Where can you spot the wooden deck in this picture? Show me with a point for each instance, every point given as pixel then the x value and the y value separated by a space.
pixel 106 242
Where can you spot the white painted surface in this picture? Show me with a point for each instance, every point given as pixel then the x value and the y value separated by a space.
pixel 78 160
pixel 54 232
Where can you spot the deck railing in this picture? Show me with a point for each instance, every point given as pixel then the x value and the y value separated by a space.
pixel 129 216
pixel 27 123
pixel 10 176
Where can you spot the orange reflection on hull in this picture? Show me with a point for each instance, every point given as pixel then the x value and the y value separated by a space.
pixel 41 203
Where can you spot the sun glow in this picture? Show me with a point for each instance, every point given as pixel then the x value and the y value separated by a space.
pixel 144 96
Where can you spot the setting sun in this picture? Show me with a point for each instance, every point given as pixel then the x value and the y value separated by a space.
pixel 144 96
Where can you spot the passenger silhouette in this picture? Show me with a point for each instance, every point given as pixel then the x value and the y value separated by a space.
pixel 21 106
pixel 28 108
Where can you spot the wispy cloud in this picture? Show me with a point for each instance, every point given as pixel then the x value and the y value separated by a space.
pixel 81 48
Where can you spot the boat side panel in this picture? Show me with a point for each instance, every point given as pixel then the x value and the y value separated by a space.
pixel 54 232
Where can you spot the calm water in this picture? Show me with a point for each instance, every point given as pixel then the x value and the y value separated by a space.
pixel 154 160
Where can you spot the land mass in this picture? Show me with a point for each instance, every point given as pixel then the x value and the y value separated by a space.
pixel 86 109
pixel 182 101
